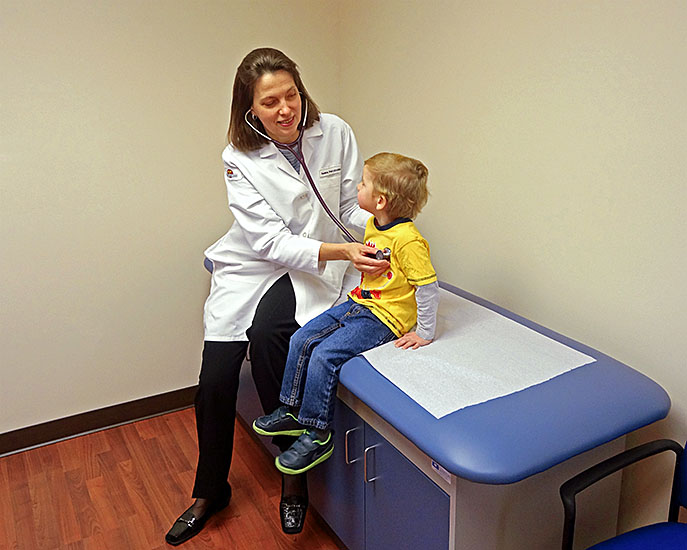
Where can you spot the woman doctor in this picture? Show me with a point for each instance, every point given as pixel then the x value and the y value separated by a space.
pixel 274 269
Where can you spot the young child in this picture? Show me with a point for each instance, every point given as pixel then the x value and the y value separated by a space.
pixel 380 309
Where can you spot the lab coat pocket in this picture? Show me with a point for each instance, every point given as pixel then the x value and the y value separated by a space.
pixel 230 307
pixel 330 189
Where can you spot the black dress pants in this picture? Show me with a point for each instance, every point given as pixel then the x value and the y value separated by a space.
pixel 215 401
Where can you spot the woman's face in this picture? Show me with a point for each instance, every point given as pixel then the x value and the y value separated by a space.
pixel 277 103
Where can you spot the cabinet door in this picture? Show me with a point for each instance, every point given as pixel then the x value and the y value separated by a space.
pixel 335 486
pixel 404 508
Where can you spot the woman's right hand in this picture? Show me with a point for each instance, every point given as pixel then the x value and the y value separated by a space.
pixel 360 255
pixel 363 259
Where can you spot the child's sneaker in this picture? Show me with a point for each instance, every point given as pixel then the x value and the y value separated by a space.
pixel 306 452
pixel 280 422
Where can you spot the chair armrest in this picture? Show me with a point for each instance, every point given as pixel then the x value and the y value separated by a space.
pixel 609 466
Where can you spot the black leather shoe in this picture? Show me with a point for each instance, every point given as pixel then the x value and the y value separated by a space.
pixel 292 510
pixel 188 525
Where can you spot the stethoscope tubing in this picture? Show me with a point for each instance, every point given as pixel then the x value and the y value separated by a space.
pixel 301 159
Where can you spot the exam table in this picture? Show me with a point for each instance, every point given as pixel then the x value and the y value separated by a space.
pixel 485 477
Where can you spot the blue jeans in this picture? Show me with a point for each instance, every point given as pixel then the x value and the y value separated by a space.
pixel 316 353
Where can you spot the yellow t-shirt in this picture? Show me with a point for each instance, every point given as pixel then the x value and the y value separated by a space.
pixel 391 296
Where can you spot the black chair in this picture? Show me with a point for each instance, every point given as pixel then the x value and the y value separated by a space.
pixel 664 536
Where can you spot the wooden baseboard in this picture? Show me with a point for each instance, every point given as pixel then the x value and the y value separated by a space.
pixel 70 426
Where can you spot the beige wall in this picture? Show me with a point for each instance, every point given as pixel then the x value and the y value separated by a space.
pixel 114 116
pixel 555 134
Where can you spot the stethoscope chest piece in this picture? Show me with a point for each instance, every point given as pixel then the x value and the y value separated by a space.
pixel 383 254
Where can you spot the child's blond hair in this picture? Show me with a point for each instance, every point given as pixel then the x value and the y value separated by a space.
pixel 402 180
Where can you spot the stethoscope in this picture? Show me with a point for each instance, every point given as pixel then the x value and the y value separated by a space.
pixel 296 149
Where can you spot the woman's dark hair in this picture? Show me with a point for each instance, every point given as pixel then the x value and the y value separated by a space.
pixel 254 65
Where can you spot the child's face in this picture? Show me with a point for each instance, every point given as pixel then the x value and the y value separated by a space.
pixel 367 197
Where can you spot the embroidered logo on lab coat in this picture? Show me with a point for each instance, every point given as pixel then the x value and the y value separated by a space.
pixel 329 172
pixel 234 173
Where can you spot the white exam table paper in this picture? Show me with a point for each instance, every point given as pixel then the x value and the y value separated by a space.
pixel 477 355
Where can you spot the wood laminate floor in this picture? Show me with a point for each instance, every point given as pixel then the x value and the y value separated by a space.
pixel 121 489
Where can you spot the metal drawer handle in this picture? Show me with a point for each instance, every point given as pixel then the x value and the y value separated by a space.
pixel 365 465
pixel 348 460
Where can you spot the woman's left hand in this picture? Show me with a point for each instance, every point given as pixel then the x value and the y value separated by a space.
pixel 410 340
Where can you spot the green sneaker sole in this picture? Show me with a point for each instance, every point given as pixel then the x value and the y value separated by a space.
pixel 289 471
pixel 295 433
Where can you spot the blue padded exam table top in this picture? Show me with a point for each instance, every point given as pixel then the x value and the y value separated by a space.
pixel 510 438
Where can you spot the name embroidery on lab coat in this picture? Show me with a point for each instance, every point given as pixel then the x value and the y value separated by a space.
pixel 331 171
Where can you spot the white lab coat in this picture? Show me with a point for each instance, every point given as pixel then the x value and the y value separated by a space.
pixel 279 226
